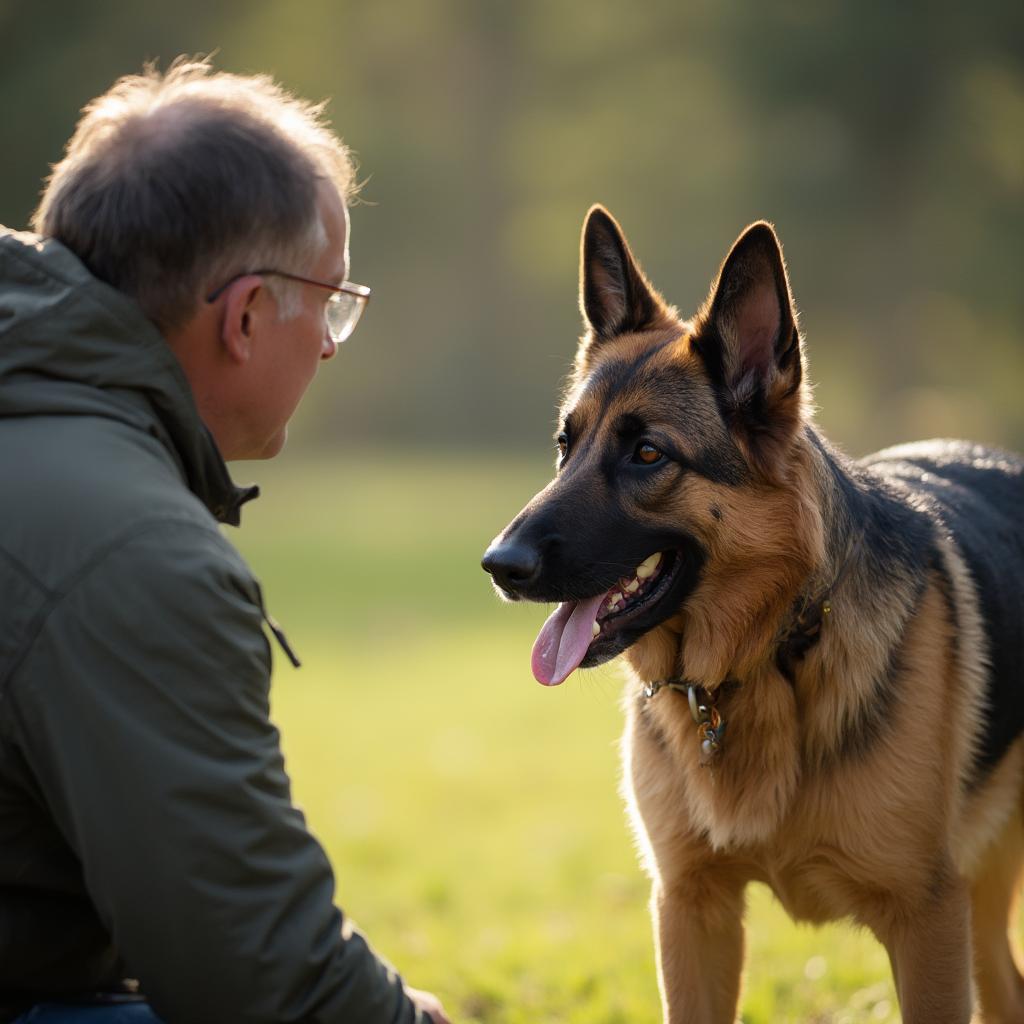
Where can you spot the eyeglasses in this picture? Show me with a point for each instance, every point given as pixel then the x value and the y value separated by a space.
pixel 344 307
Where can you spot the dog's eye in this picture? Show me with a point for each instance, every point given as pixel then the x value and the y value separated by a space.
pixel 647 454
pixel 562 442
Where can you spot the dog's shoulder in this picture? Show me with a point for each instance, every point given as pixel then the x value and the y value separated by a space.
pixel 976 494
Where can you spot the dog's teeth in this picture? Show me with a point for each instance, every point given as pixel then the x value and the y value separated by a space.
pixel 632 586
pixel 647 567
pixel 615 599
pixel 595 629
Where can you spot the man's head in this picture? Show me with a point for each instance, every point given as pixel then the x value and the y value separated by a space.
pixel 179 186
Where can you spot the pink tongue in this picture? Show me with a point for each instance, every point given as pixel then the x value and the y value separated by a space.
pixel 564 639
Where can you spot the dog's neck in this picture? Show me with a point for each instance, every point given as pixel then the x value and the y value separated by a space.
pixel 809 621
pixel 793 640
pixel 776 615
pixel 804 629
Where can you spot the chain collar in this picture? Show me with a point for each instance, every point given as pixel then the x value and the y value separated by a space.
pixel 710 726
pixel 791 645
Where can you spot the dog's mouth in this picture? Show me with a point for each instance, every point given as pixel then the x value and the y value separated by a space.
pixel 588 630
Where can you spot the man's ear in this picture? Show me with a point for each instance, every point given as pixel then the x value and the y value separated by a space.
pixel 748 337
pixel 615 297
pixel 242 302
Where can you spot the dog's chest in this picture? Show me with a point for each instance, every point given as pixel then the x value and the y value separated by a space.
pixel 739 798
pixel 816 890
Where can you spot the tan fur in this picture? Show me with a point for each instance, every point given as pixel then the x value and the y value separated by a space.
pixel 995 898
pixel 872 838
pixel 884 838
pixel 847 776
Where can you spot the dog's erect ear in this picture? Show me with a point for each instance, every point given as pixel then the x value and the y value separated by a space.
pixel 748 325
pixel 615 297
pixel 748 337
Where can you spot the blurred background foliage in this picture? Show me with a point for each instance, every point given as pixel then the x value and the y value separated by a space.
pixel 471 814
pixel 885 141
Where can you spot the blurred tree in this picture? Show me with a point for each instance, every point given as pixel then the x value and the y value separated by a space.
pixel 884 141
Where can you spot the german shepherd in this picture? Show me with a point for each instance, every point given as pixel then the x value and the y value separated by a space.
pixel 825 657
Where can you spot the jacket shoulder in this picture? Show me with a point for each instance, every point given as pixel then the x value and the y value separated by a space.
pixel 89 481
pixel 99 505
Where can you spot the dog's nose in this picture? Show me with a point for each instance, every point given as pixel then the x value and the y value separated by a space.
pixel 513 565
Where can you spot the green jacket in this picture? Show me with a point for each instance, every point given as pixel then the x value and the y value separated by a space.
pixel 146 823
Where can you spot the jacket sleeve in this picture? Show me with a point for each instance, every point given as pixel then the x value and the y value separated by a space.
pixel 145 717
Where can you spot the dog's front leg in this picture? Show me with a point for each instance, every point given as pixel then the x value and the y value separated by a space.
pixel 699 931
pixel 929 947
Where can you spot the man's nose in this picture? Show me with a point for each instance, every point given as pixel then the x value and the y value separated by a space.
pixel 330 347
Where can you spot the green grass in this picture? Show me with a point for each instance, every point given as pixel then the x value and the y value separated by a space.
pixel 472 815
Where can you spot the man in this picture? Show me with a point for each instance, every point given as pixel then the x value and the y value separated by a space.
pixel 188 278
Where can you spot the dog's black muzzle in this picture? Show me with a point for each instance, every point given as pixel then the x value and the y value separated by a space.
pixel 547 555
pixel 563 548
pixel 512 565
pixel 525 562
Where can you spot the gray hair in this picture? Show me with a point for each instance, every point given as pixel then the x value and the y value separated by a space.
pixel 174 183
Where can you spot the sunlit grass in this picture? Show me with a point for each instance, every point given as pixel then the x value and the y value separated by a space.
pixel 472 816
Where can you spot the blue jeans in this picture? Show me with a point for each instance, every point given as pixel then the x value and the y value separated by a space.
pixel 66 1013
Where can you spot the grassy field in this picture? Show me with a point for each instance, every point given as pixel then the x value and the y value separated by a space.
pixel 472 815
